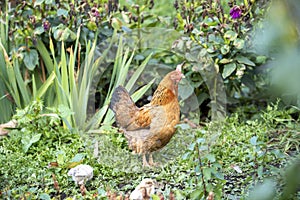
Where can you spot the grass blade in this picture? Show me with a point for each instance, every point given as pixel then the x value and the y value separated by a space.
pixel 21 83
pixel 137 74
pixel 43 89
pixel 45 55
pixel 139 93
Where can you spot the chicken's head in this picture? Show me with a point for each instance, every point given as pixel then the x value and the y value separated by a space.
pixel 177 75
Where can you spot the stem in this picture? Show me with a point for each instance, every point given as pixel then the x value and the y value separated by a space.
pixel 201 168
pixel 139 26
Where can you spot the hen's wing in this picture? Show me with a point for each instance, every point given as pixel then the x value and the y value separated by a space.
pixel 153 117
pixel 123 106
pixel 141 120
pixel 151 138
pixel 127 114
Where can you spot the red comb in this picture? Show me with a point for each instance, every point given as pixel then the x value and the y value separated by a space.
pixel 178 68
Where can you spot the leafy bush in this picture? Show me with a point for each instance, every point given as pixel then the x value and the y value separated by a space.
pixel 34 20
pixel 72 64
pixel 232 157
pixel 74 82
pixel 26 32
pixel 28 151
pixel 222 31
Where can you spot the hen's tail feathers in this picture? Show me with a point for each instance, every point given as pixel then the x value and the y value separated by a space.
pixel 123 107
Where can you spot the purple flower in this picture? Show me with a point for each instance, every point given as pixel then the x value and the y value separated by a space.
pixel 95 12
pixel 235 12
pixel 46 25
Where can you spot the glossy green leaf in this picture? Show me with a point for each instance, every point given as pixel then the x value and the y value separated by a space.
pixel 228 70
pixel 92 26
pixel 200 140
pixel 219 175
pixel 62 12
pixel 186 156
pixel 35 138
pixel 261 59
pixel 185 90
pixel 45 196
pixel 78 157
pixel 195 195
pixel 225 49
pixel 191 147
pixel 245 60
pixel 27 141
pixel 211 157
pixel 65 35
pixel 253 140
pixel 225 61
pixel 31 59
pixel 57 34
pixel 39 30
pixel 230 35
pixel 207 172
pixel 38 2
pixel 116 23
pixel 239 43
pixel 260 171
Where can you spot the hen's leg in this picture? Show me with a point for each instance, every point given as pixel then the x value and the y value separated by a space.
pixel 151 160
pixel 145 162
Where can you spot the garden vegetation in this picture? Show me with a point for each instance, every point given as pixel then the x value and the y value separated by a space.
pixel 239 133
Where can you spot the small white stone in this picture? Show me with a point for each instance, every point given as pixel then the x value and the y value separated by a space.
pixel 81 173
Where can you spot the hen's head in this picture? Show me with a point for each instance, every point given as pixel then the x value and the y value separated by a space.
pixel 172 79
pixel 176 75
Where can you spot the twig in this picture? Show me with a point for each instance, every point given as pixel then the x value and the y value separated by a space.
pixel 201 167
pixel 55 183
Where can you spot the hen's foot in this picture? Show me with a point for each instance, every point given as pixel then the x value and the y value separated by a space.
pixel 145 162
pixel 151 162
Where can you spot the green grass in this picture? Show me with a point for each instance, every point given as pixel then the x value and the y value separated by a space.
pixel 261 148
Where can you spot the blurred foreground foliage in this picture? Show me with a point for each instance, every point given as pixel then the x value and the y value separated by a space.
pixel 278 38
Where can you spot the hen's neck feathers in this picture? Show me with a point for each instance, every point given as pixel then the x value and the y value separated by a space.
pixel 166 91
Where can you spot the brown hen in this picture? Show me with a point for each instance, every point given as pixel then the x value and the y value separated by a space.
pixel 149 128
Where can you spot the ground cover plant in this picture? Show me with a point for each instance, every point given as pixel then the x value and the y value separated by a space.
pixel 228 160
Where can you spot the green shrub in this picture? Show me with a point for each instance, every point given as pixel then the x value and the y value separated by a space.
pixel 27 153
pixel 219 45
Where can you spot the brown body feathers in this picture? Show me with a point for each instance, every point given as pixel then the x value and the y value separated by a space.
pixel 150 127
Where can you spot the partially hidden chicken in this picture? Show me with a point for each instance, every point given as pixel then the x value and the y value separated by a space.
pixel 149 128
pixel 144 190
